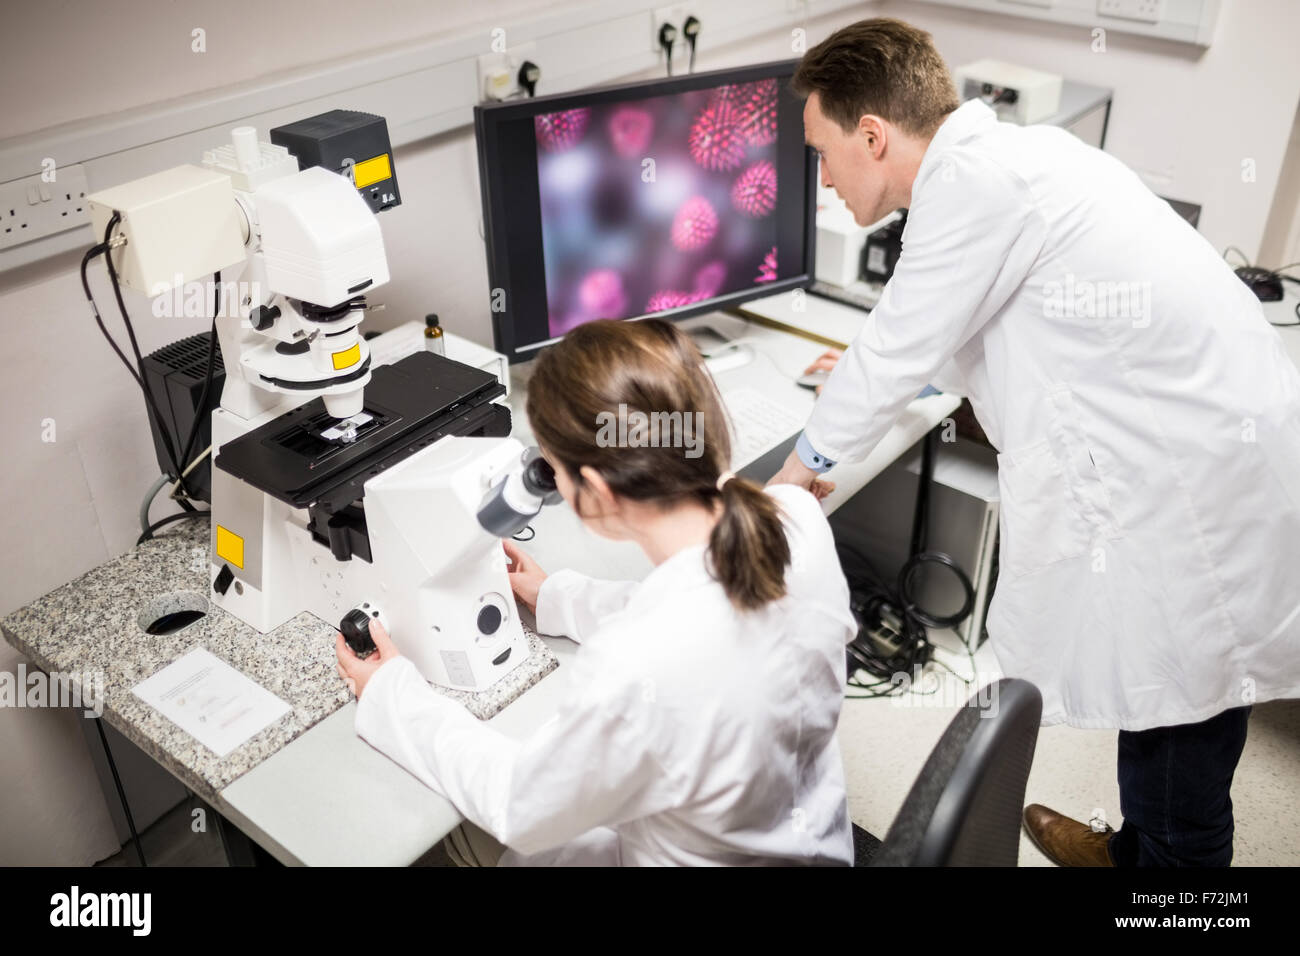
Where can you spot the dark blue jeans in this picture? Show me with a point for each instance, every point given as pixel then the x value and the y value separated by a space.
pixel 1173 792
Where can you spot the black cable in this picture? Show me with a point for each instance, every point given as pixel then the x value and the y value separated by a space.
pixel 162 522
pixel 921 513
pixel 91 253
pixel 199 412
pixel 121 793
pixel 138 371
pixel 1277 273
pixel 913 608
pixel 527 77
pixel 532 533
pixel 85 284
pixel 691 30
pixel 878 607
pixel 668 37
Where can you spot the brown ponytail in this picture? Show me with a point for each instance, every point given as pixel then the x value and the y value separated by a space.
pixel 652 369
pixel 748 548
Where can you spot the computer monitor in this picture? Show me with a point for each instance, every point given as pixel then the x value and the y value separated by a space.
pixel 668 197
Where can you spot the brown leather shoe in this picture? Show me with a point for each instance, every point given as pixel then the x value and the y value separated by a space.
pixel 1064 841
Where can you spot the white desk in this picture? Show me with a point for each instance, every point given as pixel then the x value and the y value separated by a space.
pixel 329 799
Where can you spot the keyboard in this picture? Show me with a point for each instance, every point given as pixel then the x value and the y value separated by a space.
pixel 758 424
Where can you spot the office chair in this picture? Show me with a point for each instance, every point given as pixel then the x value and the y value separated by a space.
pixel 965 807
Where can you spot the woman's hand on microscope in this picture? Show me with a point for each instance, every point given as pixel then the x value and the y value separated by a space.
pixel 357 671
pixel 525 576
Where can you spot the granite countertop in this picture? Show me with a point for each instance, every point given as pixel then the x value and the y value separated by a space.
pixel 92 625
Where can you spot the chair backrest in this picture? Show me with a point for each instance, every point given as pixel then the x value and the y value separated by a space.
pixel 965 807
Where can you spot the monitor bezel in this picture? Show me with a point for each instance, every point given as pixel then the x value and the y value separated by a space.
pixel 489 117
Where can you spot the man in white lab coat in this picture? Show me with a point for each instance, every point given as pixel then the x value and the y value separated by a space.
pixel 1146 415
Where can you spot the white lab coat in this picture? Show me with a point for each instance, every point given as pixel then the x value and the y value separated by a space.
pixel 692 734
pixel 1150 456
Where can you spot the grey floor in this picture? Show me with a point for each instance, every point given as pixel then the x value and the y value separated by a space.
pixel 172 841
pixel 885 744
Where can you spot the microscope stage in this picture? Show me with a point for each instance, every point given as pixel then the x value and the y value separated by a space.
pixel 299 459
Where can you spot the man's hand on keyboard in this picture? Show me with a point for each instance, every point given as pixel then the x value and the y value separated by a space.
pixel 825 362
pixel 795 472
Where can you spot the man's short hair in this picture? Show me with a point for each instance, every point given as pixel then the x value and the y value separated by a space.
pixel 884 67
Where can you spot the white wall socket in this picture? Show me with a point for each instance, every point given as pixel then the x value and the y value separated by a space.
pixel 42 205
pixel 498 73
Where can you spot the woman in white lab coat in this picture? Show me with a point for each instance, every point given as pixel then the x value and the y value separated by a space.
pixel 1147 416
pixel 701 726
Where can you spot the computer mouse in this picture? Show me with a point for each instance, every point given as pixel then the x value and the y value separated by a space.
pixel 814 379
pixel 1266 285
pixel 729 356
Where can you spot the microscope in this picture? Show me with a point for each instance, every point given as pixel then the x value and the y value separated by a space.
pixel 350 492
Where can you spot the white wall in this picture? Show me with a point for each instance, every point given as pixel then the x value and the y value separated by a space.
pixel 83 59
pixel 1186 119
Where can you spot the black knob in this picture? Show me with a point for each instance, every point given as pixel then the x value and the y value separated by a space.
pixel 223 579
pixel 263 318
pixel 489 619
pixel 355 628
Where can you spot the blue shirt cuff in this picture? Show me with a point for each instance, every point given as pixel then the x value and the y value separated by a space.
pixel 809 456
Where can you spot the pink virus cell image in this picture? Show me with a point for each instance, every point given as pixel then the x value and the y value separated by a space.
pixel 709 278
pixel 695 224
pixel 630 129
pixel 754 192
pixel 758 114
pixel 618 245
pixel 717 141
pixel 557 132
pixel 752 109
pixel 601 294
pixel 729 94
pixel 666 299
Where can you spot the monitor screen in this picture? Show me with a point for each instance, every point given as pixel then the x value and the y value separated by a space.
pixel 667 197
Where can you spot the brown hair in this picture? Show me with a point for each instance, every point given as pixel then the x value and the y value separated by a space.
pixel 651 367
pixel 884 67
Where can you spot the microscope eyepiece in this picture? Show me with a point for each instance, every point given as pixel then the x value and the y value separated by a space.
pixel 513 501
pixel 539 477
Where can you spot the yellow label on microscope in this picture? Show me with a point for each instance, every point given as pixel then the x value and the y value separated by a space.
pixel 370 171
pixel 347 358
pixel 230 547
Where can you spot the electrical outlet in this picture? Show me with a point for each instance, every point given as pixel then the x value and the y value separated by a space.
pixel 33 208
pixel 1145 11
pixel 498 73
pixel 676 16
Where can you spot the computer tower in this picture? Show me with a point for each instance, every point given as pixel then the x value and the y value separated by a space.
pixel 876 524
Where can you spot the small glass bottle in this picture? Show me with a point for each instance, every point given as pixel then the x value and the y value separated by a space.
pixel 433 337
